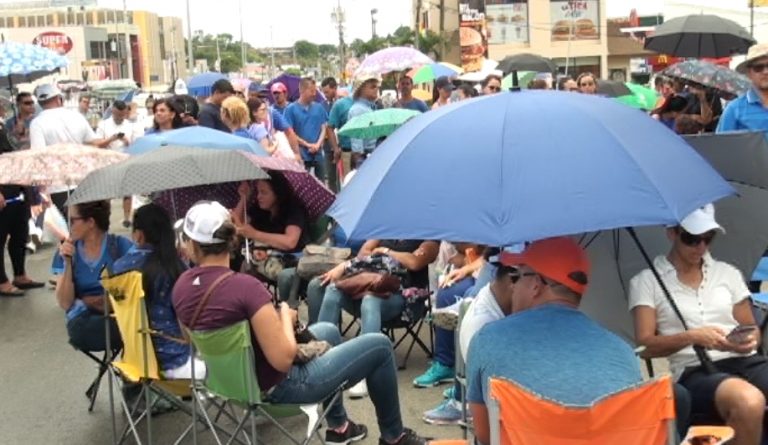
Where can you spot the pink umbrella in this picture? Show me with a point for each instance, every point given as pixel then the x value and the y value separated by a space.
pixel 387 60
pixel 313 195
pixel 55 165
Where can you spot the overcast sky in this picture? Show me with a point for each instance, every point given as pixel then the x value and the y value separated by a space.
pixel 282 22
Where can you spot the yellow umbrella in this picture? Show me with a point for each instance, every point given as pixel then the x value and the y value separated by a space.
pixel 421 94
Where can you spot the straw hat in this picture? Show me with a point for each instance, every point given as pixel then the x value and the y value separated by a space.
pixel 361 79
pixel 757 51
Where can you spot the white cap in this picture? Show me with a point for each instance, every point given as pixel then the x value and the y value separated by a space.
pixel 203 220
pixel 46 92
pixel 701 220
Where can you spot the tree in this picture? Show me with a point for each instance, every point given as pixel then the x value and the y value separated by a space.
pixel 403 36
pixel 357 47
pixel 430 43
pixel 327 50
pixel 306 50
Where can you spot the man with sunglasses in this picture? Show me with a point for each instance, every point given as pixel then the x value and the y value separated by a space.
pixel 18 126
pixel 713 299
pixel 547 345
pixel 749 111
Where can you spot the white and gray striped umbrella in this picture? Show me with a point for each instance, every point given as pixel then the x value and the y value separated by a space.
pixel 167 168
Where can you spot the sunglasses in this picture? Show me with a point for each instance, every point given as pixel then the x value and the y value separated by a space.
pixel 759 67
pixel 494 88
pixel 516 275
pixel 694 240
pixel 277 92
pixel 587 84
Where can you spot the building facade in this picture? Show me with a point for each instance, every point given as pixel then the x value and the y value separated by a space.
pixel 101 43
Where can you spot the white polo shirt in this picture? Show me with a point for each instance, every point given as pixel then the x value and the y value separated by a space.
pixel 108 128
pixel 483 310
pixel 710 305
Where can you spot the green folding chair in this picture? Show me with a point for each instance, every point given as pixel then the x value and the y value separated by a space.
pixel 231 377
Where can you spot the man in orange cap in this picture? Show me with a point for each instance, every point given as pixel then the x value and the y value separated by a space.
pixel 547 345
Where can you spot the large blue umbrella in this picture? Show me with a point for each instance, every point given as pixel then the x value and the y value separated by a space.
pixel 523 166
pixel 23 62
pixel 198 137
pixel 200 85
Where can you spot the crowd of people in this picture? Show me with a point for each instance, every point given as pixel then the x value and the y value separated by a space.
pixel 522 320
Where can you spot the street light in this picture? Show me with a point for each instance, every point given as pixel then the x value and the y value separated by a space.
pixel 374 11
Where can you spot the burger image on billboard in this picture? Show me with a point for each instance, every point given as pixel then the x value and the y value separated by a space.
pixel 585 29
pixel 472 49
pixel 562 30
pixel 55 41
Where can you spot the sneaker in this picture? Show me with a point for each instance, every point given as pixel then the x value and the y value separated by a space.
pixel 447 413
pixel 409 437
pixel 450 393
pixel 358 391
pixel 435 375
pixel 31 247
pixel 353 433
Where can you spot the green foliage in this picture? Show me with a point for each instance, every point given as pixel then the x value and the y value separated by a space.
pixel 294 71
pixel 306 50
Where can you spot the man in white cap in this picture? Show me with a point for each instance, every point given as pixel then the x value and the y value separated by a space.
pixel 714 302
pixel 366 91
pixel 749 111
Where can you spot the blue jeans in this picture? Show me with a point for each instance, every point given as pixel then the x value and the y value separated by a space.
pixel 445 343
pixel 288 283
pixel 368 357
pixel 315 293
pixel 372 310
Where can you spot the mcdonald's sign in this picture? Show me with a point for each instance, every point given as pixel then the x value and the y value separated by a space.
pixel 757 3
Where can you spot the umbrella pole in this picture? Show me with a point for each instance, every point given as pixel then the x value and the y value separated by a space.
pixel 247 243
pixel 13 100
pixel 701 354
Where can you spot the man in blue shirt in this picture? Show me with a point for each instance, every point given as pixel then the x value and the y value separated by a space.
pixel 336 119
pixel 332 151
pixel 406 97
pixel 280 95
pixel 749 111
pixel 309 120
pixel 210 112
pixel 365 95
pixel 547 345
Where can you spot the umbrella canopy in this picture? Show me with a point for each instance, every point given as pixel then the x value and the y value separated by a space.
pixel 524 77
pixel 200 85
pixel 311 193
pixel 700 35
pixel 741 159
pixel 291 82
pixel 380 123
pixel 55 165
pixel 602 166
pixel 527 62
pixel 429 73
pixel 641 97
pixel 396 58
pixel 23 62
pixel 200 137
pixel 712 76
pixel 164 169
pixel 610 88
pixel 420 94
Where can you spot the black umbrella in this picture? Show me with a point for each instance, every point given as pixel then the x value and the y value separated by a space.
pixel 700 36
pixel 612 88
pixel 525 62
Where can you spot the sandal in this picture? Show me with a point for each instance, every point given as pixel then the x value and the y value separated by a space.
pixel 24 285
pixel 13 292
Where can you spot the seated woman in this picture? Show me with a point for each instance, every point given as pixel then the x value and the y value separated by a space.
pixel 155 256
pixel 275 220
pixel 209 235
pixel 79 263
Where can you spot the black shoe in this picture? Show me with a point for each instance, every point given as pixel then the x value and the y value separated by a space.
pixel 409 437
pixel 353 433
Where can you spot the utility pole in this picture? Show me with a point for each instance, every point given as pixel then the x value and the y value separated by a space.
pixel 374 11
pixel 218 56
pixel 190 55
pixel 128 47
pixel 117 46
pixel 752 18
pixel 242 38
pixel 272 70
pixel 339 18
pixel 417 22
pixel 442 28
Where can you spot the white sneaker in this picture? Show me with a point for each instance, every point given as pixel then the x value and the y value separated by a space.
pixel 358 391
pixel 31 247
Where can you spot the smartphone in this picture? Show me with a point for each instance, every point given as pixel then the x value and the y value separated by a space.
pixel 740 333
pixel 120 135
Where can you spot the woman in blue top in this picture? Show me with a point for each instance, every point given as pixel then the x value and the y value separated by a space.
pixel 156 257
pixel 79 263
pixel 166 117
pixel 234 114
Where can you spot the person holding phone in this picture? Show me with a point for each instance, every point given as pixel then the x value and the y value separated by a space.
pixel 118 132
pixel 714 301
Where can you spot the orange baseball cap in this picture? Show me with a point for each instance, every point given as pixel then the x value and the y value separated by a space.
pixel 560 259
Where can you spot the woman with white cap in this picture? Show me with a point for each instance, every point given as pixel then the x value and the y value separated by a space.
pixel 714 301
pixel 209 235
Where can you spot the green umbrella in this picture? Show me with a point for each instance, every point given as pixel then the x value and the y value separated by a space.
pixel 523 77
pixel 377 124
pixel 642 98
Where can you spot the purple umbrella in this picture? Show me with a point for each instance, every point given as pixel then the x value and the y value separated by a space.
pixel 311 193
pixel 387 60
pixel 292 83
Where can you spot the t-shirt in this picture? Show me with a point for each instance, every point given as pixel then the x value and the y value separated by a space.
pixel 235 299
pixel 108 128
pixel 87 272
pixel 257 132
pixel 413 278
pixel 745 113
pixel 308 121
pixel 338 117
pixel 260 221
pixel 359 108
pixel 414 104
pixel 242 132
pixel 281 109
pixel 554 351
pixel 710 305
pixel 483 310
pixel 59 125
pixel 210 116
pixel 278 120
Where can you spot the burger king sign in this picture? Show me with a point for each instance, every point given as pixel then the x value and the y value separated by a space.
pixel 55 41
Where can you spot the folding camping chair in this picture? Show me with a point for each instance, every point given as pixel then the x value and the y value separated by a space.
pixel 460 367
pixel 103 365
pixel 231 377
pixel 138 363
